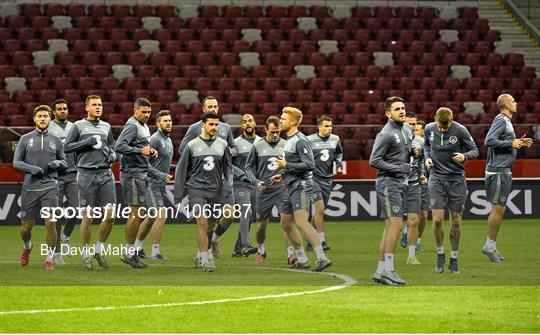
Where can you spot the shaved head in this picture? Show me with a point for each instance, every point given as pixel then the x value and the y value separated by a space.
pixel 507 104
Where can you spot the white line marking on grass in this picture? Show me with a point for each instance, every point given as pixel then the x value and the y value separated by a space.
pixel 347 281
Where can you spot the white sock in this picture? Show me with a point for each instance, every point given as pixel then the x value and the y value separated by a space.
pixel 412 251
pixel 99 247
pixel 215 238
pixel 388 262
pixel 27 245
pixel 210 255
pixel 419 240
pixel 138 244
pixel 198 254
pixel 453 254
pixel 319 252
pixel 290 251
pixel 64 237
pixel 130 250
pixel 491 244
pixel 85 252
pixel 260 248
pixel 301 254
pixel 321 237
pixel 380 267
pixel 440 250
pixel 155 250
pixel 50 254
pixel 204 255
pixel 405 229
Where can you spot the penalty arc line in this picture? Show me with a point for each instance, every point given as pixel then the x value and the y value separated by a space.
pixel 347 281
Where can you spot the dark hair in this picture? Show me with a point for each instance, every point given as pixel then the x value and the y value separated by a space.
pixel 272 120
pixel 162 113
pixel 390 100
pixel 443 116
pixel 410 114
pixel 57 102
pixel 422 123
pixel 91 97
pixel 142 102
pixel 42 108
pixel 323 118
pixel 208 98
pixel 207 116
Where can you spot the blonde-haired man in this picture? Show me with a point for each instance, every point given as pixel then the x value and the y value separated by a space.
pixel 298 165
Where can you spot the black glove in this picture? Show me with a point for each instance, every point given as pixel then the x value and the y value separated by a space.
pixel 111 158
pixel 37 171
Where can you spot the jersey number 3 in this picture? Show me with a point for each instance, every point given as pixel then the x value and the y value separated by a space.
pixel 99 143
pixel 209 163
pixel 325 155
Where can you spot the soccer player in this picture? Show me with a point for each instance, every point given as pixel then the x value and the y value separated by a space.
pixel 391 157
pixel 261 165
pixel 161 142
pixel 502 151
pixel 447 145
pixel 326 150
pixel 244 191
pixel 298 165
pixel 425 205
pixel 210 105
pixel 92 141
pixel 413 198
pixel 40 155
pixel 67 179
pixel 204 169
pixel 133 144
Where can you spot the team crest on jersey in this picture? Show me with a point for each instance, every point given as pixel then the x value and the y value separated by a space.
pixel 432 201
pixel 397 138
pixel 222 132
pixel 23 214
pixel 395 209
pixel 503 199
pixel 31 143
pixel 431 136
pixel 242 193
pixel 453 139
pixel 141 198
pixel 83 202
pixel 52 145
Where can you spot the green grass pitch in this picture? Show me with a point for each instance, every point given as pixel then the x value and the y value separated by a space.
pixel 176 297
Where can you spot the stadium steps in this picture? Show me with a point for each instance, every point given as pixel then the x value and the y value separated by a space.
pixel 500 19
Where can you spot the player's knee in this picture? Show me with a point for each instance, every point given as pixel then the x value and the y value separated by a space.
pixel 437 222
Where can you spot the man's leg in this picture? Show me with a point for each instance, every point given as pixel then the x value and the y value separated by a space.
pixel 438 233
pixel 86 236
pixel 26 235
pixel 455 236
pixel 50 239
pixel 412 237
pixel 207 262
pixel 227 210
pixel 380 264
pixel 293 235
pixel 72 196
pixel 157 229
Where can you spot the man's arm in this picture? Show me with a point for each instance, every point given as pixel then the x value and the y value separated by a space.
pixel 228 167
pixel 72 143
pixel 303 147
pixel 339 154
pixel 251 166
pixel 493 136
pixel 20 164
pixel 468 142
pixel 180 176
pixel 230 142
pixel 110 140
pixel 126 137
pixel 376 160
pixel 191 133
